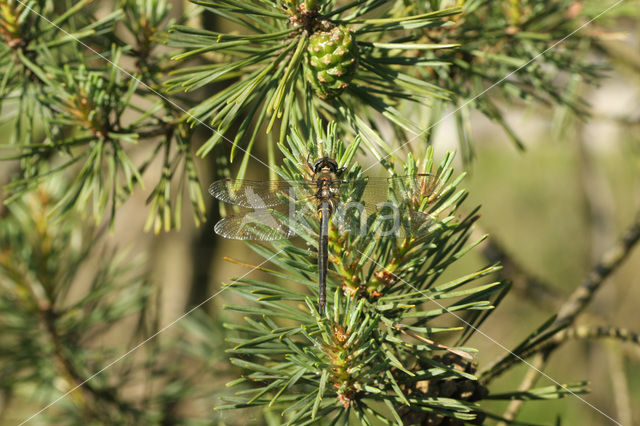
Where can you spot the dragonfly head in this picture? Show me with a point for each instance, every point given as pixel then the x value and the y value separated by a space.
pixel 325 164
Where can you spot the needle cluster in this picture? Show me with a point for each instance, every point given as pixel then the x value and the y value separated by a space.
pixel 61 297
pixel 374 354
pixel 74 106
pixel 384 70
pixel 291 62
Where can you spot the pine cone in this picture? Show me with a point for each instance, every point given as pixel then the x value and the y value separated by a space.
pixel 331 61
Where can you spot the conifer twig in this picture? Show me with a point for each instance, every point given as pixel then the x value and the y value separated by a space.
pixel 609 262
pixel 527 383
pixel 583 332
pixel 580 297
pixel 47 317
pixel 543 352
pixel 576 303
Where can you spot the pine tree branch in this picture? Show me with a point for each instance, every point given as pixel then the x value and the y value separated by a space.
pixel 576 302
pixel 543 352
pixel 583 332
pixel 609 262
pixel 43 301
pixel 527 383
pixel 41 304
pixel 48 317
pixel 164 129
pixel 567 313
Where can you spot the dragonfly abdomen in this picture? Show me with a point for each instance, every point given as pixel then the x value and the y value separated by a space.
pixel 323 253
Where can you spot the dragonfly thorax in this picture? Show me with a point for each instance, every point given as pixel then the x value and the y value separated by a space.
pixel 326 177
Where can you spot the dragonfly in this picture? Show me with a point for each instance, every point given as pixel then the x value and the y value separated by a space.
pixel 282 209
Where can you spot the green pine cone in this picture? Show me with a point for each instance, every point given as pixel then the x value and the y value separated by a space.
pixel 332 59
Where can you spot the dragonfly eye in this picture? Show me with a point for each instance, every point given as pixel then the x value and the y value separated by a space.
pixel 318 165
pixel 325 162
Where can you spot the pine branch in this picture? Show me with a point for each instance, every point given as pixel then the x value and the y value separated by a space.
pixel 375 347
pixel 65 365
pixel 609 262
pixel 576 303
pixel 497 41
pixel 569 311
pixel 582 332
pixel 386 56
pixel 312 56
pixel 376 71
pixel 48 340
pixel 84 108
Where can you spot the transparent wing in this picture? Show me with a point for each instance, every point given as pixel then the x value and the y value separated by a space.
pixel 259 225
pixel 396 203
pixel 374 193
pixel 381 188
pixel 385 206
pixel 255 194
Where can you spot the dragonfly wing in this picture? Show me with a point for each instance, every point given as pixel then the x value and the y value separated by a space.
pixel 394 204
pixel 413 189
pixel 374 193
pixel 353 194
pixel 355 205
pixel 417 223
pixel 259 225
pixel 255 194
